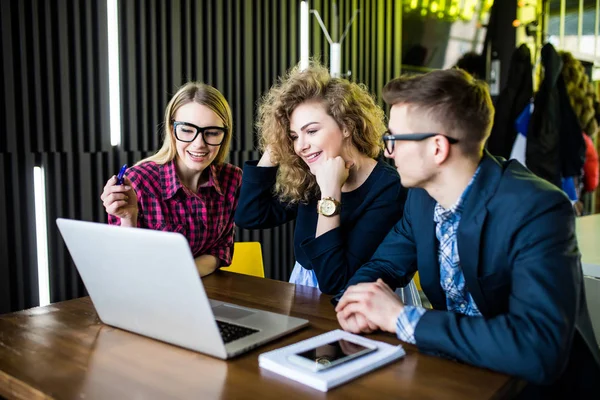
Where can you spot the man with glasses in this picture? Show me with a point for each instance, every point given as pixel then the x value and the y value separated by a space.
pixel 494 245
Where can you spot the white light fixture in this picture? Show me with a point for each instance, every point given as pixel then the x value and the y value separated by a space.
pixel 335 48
pixel 335 54
pixel 41 235
pixel 303 35
pixel 113 72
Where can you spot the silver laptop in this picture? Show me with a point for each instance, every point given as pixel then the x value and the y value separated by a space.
pixel 146 282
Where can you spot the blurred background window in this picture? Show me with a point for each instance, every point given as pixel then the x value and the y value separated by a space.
pixel 436 34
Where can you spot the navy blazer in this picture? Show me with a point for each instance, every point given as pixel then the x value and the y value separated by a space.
pixel 519 255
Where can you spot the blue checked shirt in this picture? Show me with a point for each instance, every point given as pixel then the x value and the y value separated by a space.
pixel 452 278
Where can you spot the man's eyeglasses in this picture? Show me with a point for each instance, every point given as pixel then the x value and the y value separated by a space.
pixel 186 132
pixel 389 140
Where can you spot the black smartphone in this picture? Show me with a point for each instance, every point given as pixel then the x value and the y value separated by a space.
pixel 330 354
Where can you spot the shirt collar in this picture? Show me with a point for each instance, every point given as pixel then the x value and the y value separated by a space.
pixel 441 214
pixel 170 180
pixel 171 183
pixel 213 180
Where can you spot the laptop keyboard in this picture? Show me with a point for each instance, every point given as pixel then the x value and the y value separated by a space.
pixel 231 332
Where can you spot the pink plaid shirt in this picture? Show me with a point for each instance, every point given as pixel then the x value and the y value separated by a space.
pixel 204 218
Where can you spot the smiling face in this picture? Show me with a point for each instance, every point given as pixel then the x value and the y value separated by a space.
pixel 194 157
pixel 316 135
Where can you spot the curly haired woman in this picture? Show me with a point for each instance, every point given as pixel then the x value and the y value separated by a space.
pixel 321 139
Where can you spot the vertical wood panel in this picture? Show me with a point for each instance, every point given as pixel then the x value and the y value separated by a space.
pixel 100 82
pixel 247 58
pixel 6 284
pixel 19 262
pixel 39 134
pixel 151 63
pixel 63 77
pixel 22 92
pixel 7 108
pixel 77 32
pixel 55 106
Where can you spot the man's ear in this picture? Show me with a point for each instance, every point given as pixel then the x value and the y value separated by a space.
pixel 441 149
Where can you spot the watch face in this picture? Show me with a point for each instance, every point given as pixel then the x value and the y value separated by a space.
pixel 327 207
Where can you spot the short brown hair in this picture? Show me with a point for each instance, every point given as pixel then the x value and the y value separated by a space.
pixel 451 98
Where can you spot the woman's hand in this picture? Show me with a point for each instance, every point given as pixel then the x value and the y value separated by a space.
pixel 266 160
pixel 331 175
pixel 206 264
pixel 120 201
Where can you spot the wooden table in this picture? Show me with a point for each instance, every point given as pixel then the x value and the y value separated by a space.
pixel 63 351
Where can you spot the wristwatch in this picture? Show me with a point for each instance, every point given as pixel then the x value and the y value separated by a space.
pixel 328 206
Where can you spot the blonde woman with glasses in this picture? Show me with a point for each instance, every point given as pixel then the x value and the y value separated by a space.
pixel 187 186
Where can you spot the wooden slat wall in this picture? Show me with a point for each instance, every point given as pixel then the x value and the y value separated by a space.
pixel 54 79
pixel 54 114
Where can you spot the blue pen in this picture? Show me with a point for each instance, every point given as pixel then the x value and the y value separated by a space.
pixel 121 174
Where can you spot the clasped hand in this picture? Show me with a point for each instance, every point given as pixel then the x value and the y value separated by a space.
pixel 367 307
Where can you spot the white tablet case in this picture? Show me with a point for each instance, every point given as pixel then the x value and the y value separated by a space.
pixel 277 360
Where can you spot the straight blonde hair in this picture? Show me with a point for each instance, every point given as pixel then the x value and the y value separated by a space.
pixel 205 95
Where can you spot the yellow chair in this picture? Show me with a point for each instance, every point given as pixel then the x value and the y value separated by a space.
pixel 417 281
pixel 247 259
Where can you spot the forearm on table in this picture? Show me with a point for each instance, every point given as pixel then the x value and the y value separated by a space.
pixel 206 264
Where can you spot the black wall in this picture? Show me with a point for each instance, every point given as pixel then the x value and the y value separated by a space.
pixel 55 107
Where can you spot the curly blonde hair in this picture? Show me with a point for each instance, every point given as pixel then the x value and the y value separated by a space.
pixel 348 103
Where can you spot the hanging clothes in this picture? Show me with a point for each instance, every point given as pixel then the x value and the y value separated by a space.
pixel 568 186
pixel 591 166
pixel 519 150
pixel 511 101
pixel 521 126
pixel 555 147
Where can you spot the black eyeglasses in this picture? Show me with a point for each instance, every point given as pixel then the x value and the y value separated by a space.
pixel 389 140
pixel 186 132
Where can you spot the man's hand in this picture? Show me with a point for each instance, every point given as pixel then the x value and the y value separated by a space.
pixel 367 306
pixel 356 323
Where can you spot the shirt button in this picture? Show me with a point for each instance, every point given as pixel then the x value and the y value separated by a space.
pixel 448 280
pixel 462 305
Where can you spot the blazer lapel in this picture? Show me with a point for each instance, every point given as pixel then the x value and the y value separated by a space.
pixel 427 251
pixel 472 223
